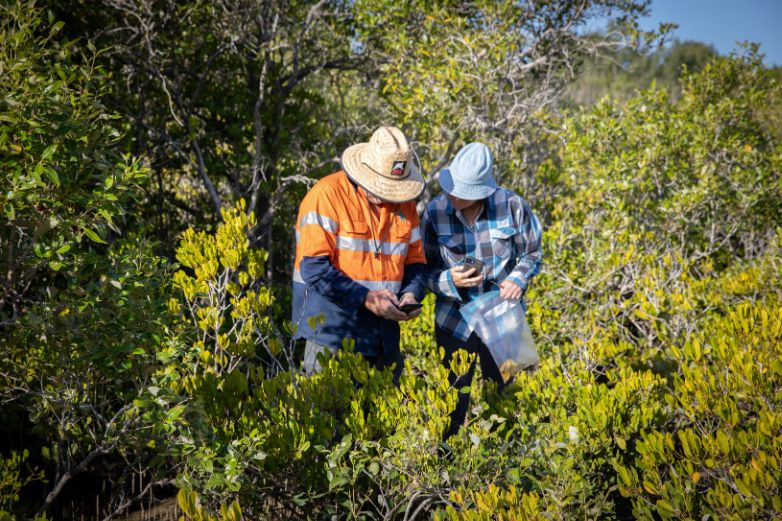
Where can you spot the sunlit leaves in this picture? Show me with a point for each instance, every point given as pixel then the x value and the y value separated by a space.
pixel 64 180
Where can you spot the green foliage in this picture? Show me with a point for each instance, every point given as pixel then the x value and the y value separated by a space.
pixel 12 481
pixel 493 503
pixel 254 98
pixel 75 364
pixel 721 459
pixel 657 195
pixel 657 395
pixel 63 182
pixel 658 314
pixel 224 297
pixel 482 71
pixel 658 325
pixel 229 100
pixel 248 425
pixel 80 317
pixel 621 73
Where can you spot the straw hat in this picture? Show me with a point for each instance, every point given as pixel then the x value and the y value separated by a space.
pixel 470 176
pixel 384 167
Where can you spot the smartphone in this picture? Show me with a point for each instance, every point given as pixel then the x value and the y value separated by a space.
pixel 408 307
pixel 472 262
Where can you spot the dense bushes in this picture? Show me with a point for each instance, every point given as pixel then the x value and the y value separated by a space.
pixel 658 317
pixel 658 320
pixel 64 179
pixel 660 323
pixel 79 318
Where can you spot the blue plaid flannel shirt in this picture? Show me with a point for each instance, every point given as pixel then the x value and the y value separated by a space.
pixel 506 236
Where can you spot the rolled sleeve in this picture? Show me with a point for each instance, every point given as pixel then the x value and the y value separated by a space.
pixel 445 285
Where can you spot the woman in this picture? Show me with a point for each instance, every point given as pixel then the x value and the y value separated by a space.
pixel 475 219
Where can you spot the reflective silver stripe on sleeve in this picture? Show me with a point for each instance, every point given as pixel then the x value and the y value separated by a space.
pixel 373 285
pixel 415 235
pixel 355 244
pixel 328 224
pixel 393 285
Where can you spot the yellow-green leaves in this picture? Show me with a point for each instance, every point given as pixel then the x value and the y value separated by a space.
pixel 224 293
pixel 721 460
pixel 189 502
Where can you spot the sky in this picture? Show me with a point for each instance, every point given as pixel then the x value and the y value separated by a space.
pixel 722 23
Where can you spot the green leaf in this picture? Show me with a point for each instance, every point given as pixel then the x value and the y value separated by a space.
pixel 49 152
pixel 337 481
pixel 94 237
pixel 664 508
pixel 175 413
pixel 51 173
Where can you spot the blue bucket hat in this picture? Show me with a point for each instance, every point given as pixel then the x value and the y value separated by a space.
pixel 470 175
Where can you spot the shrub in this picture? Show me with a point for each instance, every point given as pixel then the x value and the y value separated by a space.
pixel 79 317
pixel 657 320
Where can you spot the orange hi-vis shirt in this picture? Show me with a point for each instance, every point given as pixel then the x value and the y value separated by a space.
pixel 346 247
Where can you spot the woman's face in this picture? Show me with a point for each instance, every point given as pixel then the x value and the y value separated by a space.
pixel 461 204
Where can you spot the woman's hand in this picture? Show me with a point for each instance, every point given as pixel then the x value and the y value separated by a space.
pixel 510 290
pixel 466 276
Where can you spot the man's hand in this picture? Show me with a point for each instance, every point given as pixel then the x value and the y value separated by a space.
pixel 409 298
pixel 383 303
pixel 510 290
pixel 466 276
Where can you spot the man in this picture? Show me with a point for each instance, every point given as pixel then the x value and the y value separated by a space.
pixel 359 256
pixel 476 221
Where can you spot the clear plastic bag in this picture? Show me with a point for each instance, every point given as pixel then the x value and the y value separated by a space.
pixel 502 325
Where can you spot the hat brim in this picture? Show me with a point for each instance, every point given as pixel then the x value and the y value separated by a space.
pixel 464 191
pixel 391 190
